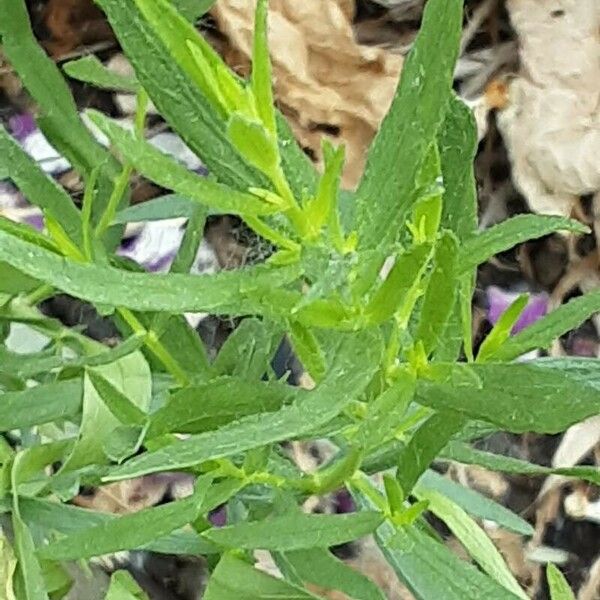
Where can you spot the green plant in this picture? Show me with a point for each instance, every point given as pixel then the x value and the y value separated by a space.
pixel 392 392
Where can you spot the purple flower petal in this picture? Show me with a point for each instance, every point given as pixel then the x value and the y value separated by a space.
pixel 218 517
pixel 499 301
pixel 22 126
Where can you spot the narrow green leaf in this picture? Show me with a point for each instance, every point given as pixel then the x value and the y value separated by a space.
pixel 121 407
pixel 424 446
pixel 542 333
pixel 124 587
pixel 29 572
pixel 226 291
pixel 296 531
pixel 559 587
pixel 319 567
pixel 146 38
pixel 308 350
pixel 386 190
pixel 501 330
pixel 247 352
pixel 439 296
pixel 261 69
pixel 234 579
pixel 27 233
pixel 203 408
pixel 343 383
pixel 474 503
pixel 192 238
pixel 511 232
pixel 67 519
pixel 169 206
pixel 60 119
pixel 546 396
pixel 128 531
pixel 473 538
pixel 385 413
pixel 254 143
pixel 401 283
pixel 40 404
pixel 90 70
pixel 8 565
pixel 193 10
pixel 36 186
pixel 505 464
pixel 168 173
pixel 427 567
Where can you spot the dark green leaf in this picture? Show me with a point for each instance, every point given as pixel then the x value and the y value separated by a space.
pixel 545 396
pixel 128 531
pixel 511 232
pixel 90 70
pixel 210 406
pixel 441 292
pixel 40 404
pixel 139 291
pixel 296 531
pixel 424 445
pixel 343 383
pixel 234 579
pixel 505 464
pixel 386 190
pixel 319 567
pixel 427 567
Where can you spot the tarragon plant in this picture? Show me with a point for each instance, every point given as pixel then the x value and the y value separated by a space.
pixel 396 382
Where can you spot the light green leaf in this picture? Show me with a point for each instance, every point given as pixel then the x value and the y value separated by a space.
pixel 131 377
pixel 124 587
pixel 415 556
pixel 27 233
pixel 121 407
pixel 192 238
pixel 439 296
pixel 254 143
pixel 343 383
pixel 40 404
pixel 401 286
pixel 511 232
pixel 386 191
pixel 203 408
pixel 226 291
pixel 308 350
pixel 501 330
pixel 8 564
pixel 319 567
pixel 234 579
pixel 90 70
pixel 472 537
pixel 129 531
pixel 424 445
pixel 545 396
pixel 168 173
pixel 559 587
pixel 296 531
pixel 153 36
pixel 474 503
pixel 261 69
pixel 542 333
pixel 192 10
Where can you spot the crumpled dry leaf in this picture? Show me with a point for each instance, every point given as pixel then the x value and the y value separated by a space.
pixel 325 82
pixel 552 123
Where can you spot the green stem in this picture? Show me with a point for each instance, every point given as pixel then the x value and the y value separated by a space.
pixel 39 294
pixel 155 346
pixel 114 200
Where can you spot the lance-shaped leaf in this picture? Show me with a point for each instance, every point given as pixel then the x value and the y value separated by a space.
pixel 90 70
